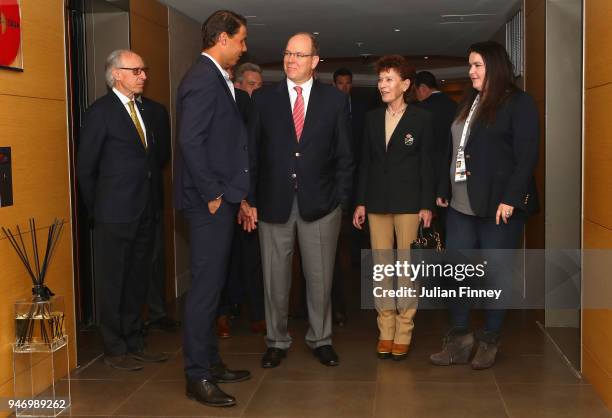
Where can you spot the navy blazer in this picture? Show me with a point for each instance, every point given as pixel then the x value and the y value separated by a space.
pixel 501 158
pixel 212 155
pixel 398 178
pixel 116 175
pixel 319 168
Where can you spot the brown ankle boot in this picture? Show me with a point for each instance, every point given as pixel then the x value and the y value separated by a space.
pixel 485 356
pixel 384 348
pixel 456 349
pixel 399 351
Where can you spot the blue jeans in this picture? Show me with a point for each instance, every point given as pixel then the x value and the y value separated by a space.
pixel 465 232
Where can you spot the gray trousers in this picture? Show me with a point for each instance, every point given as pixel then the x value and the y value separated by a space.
pixel 317 241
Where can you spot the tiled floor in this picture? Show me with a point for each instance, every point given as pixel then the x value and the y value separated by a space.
pixel 530 379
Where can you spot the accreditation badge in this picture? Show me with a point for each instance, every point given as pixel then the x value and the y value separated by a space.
pixel 460 168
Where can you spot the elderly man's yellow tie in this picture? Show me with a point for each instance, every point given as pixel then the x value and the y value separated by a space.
pixel 134 117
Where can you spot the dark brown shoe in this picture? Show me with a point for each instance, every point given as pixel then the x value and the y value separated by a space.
pixel 223 327
pixel 208 393
pixel 221 374
pixel 148 356
pixel 122 362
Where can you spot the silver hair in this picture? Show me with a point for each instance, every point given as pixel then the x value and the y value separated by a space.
pixel 113 61
pixel 247 66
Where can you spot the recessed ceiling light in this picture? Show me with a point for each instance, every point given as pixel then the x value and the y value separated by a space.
pixel 443 81
pixel 397 30
pixel 321 60
pixel 315 33
pixel 426 58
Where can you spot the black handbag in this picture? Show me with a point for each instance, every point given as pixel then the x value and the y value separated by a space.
pixel 427 239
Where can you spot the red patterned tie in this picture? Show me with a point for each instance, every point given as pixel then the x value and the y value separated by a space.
pixel 298 113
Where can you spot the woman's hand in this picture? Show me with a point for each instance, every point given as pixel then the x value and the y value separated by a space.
pixel 425 215
pixel 504 212
pixel 359 217
pixel 442 202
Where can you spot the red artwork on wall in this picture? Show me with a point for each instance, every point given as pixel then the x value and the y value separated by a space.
pixel 10 34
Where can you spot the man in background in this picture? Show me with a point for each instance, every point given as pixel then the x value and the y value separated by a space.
pixel 248 77
pixel 443 109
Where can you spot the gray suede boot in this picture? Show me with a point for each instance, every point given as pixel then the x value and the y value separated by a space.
pixel 456 349
pixel 487 351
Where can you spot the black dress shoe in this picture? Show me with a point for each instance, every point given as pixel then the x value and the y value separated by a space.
pixel 221 374
pixel 147 356
pixel 327 355
pixel 208 393
pixel 122 362
pixel 272 357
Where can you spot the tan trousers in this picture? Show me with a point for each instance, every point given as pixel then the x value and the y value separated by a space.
pixel 395 316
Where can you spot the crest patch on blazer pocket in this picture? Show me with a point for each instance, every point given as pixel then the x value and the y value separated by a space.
pixel 408 139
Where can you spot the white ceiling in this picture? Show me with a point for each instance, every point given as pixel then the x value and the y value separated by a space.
pixel 343 23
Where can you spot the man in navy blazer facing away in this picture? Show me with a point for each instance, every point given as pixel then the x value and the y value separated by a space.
pixel 211 182
pixel 302 166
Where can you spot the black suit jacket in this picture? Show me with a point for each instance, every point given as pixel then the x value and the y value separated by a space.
pixel 212 155
pixel 443 110
pixel 243 101
pixel 501 159
pixel 320 165
pixel 400 178
pixel 117 177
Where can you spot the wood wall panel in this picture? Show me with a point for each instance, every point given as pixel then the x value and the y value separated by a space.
pixel 150 10
pixel 598 38
pixel 149 38
pixel 43 62
pixel 535 53
pixel 598 155
pixel 40 160
pixel 33 123
pixel 535 85
pixel 151 42
pixel 601 381
pixel 597 227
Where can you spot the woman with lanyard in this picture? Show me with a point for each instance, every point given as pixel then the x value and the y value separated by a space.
pixel 491 189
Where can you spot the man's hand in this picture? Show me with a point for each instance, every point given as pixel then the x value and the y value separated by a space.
pixel 442 202
pixel 247 216
pixel 214 205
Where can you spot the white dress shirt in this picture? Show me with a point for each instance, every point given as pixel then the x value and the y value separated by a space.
pixel 125 100
pixel 306 87
pixel 225 75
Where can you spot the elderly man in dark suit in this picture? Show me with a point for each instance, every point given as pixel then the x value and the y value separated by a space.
pixel 211 181
pixel 123 146
pixel 302 167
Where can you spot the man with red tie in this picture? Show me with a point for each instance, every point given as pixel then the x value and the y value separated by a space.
pixel 302 168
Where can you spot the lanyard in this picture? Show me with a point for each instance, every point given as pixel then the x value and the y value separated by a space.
pixel 467 122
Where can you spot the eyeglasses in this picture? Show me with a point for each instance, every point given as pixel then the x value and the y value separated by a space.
pixel 297 55
pixel 136 70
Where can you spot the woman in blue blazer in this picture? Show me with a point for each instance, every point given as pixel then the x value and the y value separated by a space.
pixel 490 188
